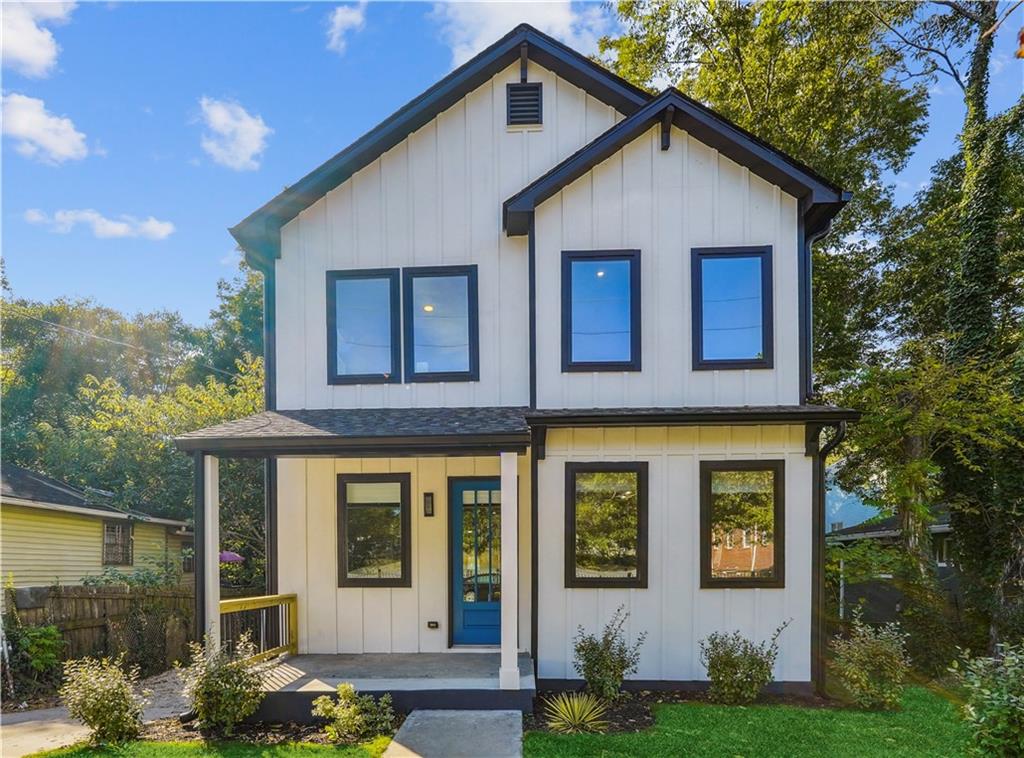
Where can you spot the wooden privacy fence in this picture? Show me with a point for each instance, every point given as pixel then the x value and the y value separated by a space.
pixel 272 622
pixel 113 619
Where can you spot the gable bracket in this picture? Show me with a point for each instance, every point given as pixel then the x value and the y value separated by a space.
pixel 666 127
pixel 523 56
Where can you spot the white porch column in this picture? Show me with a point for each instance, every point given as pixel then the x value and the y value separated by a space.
pixel 508 674
pixel 211 547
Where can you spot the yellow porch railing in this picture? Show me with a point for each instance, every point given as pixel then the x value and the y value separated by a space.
pixel 271 620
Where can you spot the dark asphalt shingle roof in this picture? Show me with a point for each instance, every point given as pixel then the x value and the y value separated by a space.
pixel 940 517
pixel 335 426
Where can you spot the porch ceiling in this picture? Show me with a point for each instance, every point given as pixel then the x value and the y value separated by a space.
pixel 397 432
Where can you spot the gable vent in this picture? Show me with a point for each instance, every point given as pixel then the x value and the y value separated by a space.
pixel 524 103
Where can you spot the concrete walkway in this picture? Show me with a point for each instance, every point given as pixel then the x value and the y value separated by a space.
pixel 29 732
pixel 459 734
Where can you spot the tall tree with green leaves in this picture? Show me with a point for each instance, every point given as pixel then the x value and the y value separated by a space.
pixel 818 80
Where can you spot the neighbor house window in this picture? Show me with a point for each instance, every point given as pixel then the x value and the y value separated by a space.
pixel 188 558
pixel 441 324
pixel 374 530
pixel 742 523
pixel 117 543
pixel 363 329
pixel 606 524
pixel 601 310
pixel 732 307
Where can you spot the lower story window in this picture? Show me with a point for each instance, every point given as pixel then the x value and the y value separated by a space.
pixel 742 523
pixel 606 524
pixel 374 530
pixel 117 543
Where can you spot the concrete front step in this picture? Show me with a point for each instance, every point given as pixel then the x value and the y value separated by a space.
pixel 459 734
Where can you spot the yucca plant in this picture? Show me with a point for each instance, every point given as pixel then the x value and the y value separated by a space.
pixel 575 712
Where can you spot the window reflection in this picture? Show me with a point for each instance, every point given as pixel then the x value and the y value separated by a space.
pixel 481 546
pixel 742 524
pixel 731 309
pixel 601 311
pixel 607 516
pixel 373 530
pixel 440 314
pixel 364 328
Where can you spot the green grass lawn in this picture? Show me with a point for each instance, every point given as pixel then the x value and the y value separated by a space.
pixel 927 726
pixel 372 749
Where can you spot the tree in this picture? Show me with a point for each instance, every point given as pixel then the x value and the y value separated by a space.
pixel 819 81
pixel 236 324
pixel 955 39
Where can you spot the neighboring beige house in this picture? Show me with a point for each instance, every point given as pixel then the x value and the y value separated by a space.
pixel 53 533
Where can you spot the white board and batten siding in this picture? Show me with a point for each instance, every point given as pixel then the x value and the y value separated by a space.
pixel 664 203
pixel 674 611
pixel 335 619
pixel 433 199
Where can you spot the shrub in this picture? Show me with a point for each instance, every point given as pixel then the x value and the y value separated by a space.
pixel 605 661
pixel 872 663
pixel 101 695
pixel 354 717
pixel 224 688
pixel 575 713
pixel 994 708
pixel 738 668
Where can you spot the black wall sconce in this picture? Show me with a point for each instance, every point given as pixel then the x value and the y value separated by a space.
pixel 428 503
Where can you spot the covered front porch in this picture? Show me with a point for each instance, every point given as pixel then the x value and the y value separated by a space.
pixel 412 619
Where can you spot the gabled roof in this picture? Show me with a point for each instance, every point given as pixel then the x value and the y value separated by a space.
pixel 889 526
pixel 20 486
pixel 821 199
pixel 259 234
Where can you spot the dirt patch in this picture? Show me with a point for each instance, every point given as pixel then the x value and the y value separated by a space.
pixel 172 730
pixel 34 703
pixel 633 712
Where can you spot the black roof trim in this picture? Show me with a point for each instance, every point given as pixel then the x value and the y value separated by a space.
pixel 259 234
pixel 690 416
pixel 820 196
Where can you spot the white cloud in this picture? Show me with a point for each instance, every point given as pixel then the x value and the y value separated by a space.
pixel 468 28
pixel 234 138
pixel 40 134
pixel 341 21
pixel 29 48
pixel 64 221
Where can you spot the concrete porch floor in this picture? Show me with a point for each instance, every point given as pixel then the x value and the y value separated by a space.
pixel 414 680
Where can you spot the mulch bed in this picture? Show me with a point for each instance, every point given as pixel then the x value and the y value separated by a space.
pixel 633 711
pixel 172 730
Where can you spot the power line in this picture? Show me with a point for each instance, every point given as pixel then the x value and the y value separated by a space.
pixel 90 335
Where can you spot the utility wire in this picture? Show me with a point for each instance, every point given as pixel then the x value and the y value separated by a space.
pixel 90 335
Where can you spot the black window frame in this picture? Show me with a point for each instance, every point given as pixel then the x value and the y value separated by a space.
pixel 409 275
pixel 405 480
pixel 635 325
pixel 127 551
pixel 778 468
pixel 697 257
pixel 392 275
pixel 641 469
pixel 188 557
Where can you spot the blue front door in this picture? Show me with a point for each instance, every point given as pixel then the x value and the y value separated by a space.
pixel 475 522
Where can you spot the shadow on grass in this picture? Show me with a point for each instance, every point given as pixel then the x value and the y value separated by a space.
pixel 372 749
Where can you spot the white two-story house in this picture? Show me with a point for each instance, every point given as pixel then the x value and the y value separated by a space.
pixel 537 346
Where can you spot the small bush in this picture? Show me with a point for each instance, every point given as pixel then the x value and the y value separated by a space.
pixel 224 688
pixel 738 668
pixel 101 695
pixel 575 713
pixel 994 709
pixel 605 661
pixel 872 663
pixel 354 717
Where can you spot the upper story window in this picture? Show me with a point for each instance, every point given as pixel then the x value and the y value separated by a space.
pixel 363 327
pixel 742 523
pixel 601 310
pixel 732 307
pixel 117 543
pixel 441 324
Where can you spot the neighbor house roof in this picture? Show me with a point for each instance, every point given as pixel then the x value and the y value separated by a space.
pixel 259 233
pixel 446 431
pixel 21 486
pixel 889 527
pixel 822 199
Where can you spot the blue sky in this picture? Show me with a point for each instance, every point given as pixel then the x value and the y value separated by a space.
pixel 136 133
